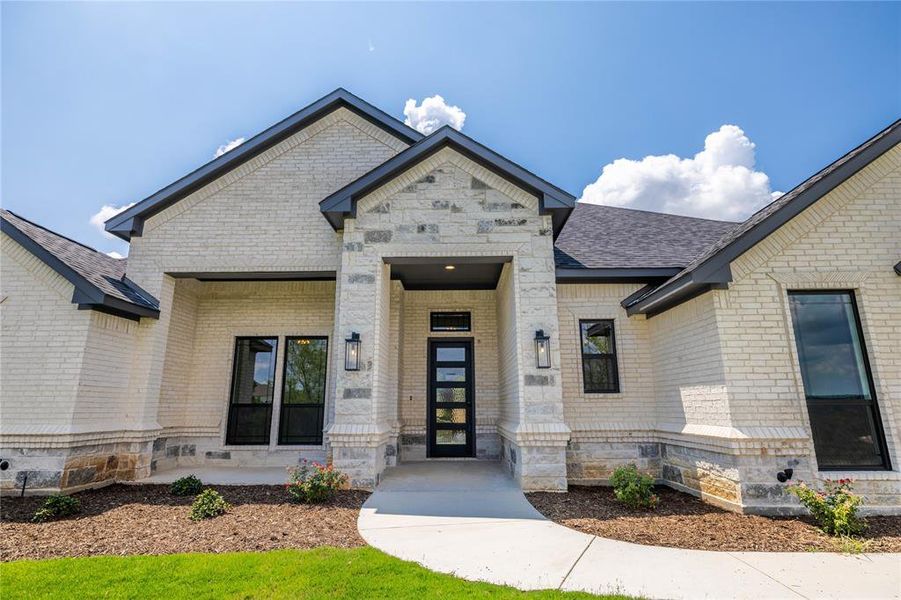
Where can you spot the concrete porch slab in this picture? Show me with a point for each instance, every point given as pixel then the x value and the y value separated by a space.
pixel 221 475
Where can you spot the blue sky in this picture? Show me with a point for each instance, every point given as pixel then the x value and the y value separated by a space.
pixel 105 103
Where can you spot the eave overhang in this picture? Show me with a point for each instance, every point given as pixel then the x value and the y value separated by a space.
pixel 130 222
pixel 715 272
pixel 86 295
pixel 551 199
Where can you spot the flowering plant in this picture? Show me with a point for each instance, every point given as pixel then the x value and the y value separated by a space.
pixel 834 508
pixel 314 482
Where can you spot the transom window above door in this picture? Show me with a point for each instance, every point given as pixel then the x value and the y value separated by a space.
pixel 450 321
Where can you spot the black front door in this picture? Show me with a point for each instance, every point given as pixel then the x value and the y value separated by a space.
pixel 451 397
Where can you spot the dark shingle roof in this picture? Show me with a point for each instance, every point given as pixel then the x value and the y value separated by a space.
pixel 607 237
pixel 100 278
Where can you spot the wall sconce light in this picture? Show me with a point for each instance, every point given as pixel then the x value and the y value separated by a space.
pixel 542 350
pixel 352 352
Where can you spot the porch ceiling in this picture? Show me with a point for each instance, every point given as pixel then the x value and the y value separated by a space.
pixel 468 273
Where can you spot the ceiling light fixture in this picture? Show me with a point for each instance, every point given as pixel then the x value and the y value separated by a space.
pixel 449 267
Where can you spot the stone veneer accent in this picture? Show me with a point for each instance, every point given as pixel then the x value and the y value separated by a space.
pixel 448 205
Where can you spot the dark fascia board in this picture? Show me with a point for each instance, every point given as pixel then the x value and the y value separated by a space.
pixel 257 275
pixel 715 272
pixel 130 222
pixel 551 199
pixel 631 275
pixel 86 294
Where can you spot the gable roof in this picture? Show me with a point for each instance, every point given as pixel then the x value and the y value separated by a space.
pixel 99 280
pixel 711 268
pixel 130 222
pixel 606 242
pixel 551 199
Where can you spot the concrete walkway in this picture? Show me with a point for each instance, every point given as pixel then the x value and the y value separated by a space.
pixel 471 520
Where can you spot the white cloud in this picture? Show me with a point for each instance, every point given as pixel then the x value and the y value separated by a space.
pixel 114 254
pixel 719 182
pixel 230 145
pixel 106 213
pixel 432 114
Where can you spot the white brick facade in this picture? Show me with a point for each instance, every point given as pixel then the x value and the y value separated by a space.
pixel 710 397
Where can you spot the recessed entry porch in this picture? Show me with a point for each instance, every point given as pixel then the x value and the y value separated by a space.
pixel 448 398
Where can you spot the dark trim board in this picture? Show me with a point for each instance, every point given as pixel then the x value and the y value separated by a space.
pixel 257 275
pixel 551 199
pixel 130 222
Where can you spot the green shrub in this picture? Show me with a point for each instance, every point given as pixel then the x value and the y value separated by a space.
pixel 312 482
pixel 56 507
pixel 208 504
pixel 633 489
pixel 835 508
pixel 186 486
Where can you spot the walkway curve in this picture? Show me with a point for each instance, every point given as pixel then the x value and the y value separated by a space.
pixel 469 519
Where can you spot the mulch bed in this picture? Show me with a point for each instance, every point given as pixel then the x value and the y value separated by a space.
pixel 683 521
pixel 146 519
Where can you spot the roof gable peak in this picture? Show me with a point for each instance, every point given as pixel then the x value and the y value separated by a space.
pixel 130 222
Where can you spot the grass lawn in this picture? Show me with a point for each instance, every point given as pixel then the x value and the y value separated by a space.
pixel 319 573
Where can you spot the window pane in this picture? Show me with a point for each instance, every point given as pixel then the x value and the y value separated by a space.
pixel 450 354
pixel 254 371
pixel 305 365
pixel 450 437
pixel 450 374
pixel 456 394
pixel 450 321
pixel 596 337
pixel 253 377
pixel 844 419
pixel 599 373
pixel 829 347
pixel 450 415
pixel 845 435
pixel 599 370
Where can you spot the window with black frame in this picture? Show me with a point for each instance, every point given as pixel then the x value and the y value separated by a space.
pixel 838 386
pixel 303 391
pixel 253 382
pixel 600 374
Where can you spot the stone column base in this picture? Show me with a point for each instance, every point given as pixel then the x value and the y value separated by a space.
pixel 362 453
pixel 536 456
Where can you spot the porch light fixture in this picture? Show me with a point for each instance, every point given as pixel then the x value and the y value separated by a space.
pixel 542 350
pixel 449 267
pixel 352 352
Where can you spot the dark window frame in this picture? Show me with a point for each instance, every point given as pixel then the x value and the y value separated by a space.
pixel 231 434
pixel 281 435
pixel 612 357
pixel 872 403
pixel 437 314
